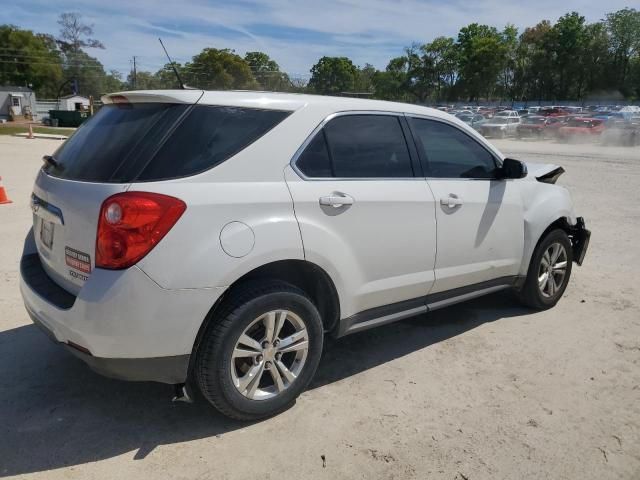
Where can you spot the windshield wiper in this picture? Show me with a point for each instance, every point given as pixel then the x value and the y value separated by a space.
pixel 50 160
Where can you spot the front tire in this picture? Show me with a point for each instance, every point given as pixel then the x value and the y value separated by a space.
pixel 260 351
pixel 549 271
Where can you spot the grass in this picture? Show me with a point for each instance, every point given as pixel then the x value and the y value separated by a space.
pixel 13 129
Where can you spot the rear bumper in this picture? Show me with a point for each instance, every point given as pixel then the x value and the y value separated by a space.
pixel 122 324
pixel 171 370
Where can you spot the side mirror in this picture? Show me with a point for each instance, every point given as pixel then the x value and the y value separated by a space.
pixel 512 168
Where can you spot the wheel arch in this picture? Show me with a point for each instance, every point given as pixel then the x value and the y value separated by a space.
pixel 307 276
pixel 560 221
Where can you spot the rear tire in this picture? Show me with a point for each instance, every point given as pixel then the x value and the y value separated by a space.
pixel 260 351
pixel 549 271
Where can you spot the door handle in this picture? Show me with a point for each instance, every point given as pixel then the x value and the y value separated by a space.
pixel 336 200
pixel 451 201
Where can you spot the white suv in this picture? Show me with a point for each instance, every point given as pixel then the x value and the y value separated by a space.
pixel 216 237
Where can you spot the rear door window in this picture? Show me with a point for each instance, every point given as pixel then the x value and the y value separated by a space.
pixel 152 141
pixel 358 146
pixel 315 161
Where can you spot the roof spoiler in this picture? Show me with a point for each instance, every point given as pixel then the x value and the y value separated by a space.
pixel 153 96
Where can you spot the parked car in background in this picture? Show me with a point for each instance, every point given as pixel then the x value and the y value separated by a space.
pixel 536 126
pixel 472 119
pixel 609 116
pixel 554 124
pixel 624 133
pixel 499 127
pixel 507 114
pixel 581 128
pixel 552 112
pixel 629 111
pixel 241 227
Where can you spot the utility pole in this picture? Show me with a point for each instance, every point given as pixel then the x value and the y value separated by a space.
pixel 135 79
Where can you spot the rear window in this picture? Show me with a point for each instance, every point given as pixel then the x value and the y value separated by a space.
pixel 153 141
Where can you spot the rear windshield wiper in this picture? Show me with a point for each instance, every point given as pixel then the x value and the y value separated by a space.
pixel 50 160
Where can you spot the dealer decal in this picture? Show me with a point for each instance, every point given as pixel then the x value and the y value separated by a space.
pixel 78 260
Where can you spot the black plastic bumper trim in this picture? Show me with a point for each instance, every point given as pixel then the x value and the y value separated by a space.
pixel 171 370
pixel 581 237
pixel 37 279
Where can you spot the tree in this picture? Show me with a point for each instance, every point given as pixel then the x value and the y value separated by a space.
pixel 624 29
pixel 333 75
pixel 568 39
pixel 420 73
pixel 219 70
pixel 74 34
pixel 595 59
pixel 267 72
pixel 443 56
pixel 165 78
pixel 143 81
pixel 392 84
pixel 87 71
pixel 113 82
pixel 28 59
pixel 507 75
pixel 481 59
pixel 364 79
pixel 634 77
pixel 534 72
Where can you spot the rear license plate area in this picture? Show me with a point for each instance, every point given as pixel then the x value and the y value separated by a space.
pixel 46 233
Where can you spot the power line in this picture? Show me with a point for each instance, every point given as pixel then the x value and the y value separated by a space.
pixel 60 64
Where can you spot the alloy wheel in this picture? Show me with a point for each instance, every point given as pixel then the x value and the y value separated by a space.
pixel 269 355
pixel 552 270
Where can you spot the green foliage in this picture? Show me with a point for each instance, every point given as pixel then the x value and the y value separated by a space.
pixel 364 82
pixel 215 69
pixel 568 59
pixel 482 56
pixel 27 59
pixel 267 72
pixel 392 83
pixel 624 31
pixel 442 55
pixel 333 75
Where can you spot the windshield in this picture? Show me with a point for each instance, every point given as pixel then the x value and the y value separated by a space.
pixel 499 121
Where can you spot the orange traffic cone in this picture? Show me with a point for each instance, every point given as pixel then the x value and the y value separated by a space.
pixel 30 132
pixel 3 194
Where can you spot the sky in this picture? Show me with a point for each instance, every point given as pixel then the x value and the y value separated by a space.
pixel 294 33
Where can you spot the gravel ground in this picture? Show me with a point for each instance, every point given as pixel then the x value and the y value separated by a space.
pixel 484 390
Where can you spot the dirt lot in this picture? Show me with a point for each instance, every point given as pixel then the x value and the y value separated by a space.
pixel 486 390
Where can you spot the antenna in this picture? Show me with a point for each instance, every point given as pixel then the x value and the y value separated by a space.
pixel 175 70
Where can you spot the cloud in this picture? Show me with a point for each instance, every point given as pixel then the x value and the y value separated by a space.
pixel 294 33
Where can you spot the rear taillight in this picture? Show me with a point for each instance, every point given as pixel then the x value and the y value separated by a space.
pixel 131 224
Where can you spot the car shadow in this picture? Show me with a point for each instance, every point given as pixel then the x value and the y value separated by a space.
pixel 56 413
